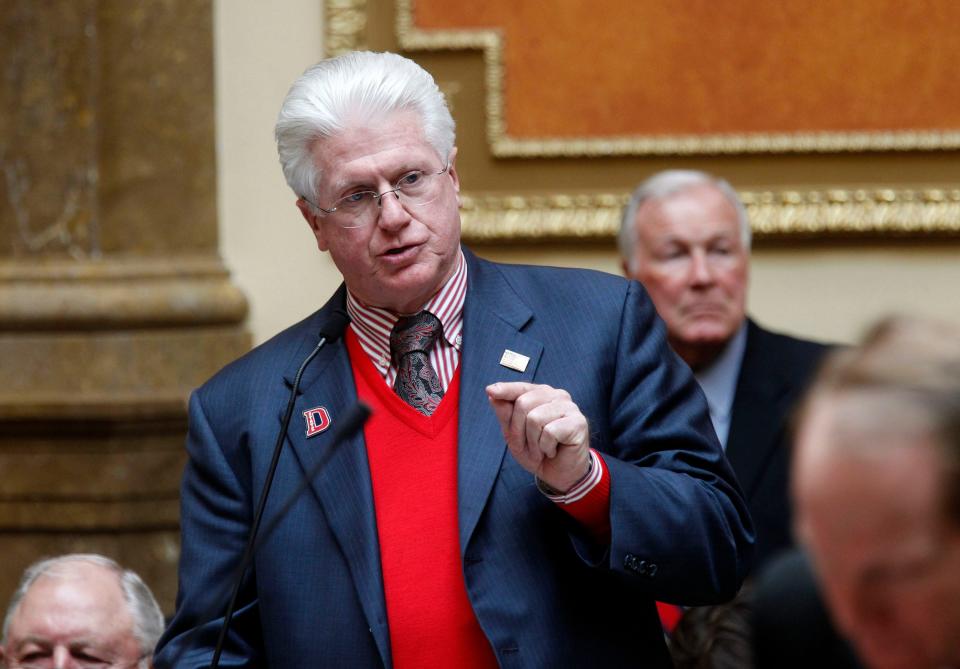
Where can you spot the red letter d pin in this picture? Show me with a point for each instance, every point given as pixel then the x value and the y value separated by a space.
pixel 318 420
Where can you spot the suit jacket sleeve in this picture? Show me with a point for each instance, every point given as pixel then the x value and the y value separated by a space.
pixel 215 521
pixel 678 519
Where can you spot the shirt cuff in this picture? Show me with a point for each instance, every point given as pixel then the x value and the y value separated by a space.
pixel 588 502
pixel 581 488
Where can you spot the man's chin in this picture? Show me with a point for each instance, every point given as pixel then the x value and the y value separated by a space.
pixel 709 337
pixel 407 290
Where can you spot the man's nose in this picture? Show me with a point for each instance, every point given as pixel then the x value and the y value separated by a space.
pixel 61 658
pixel 701 272
pixel 393 214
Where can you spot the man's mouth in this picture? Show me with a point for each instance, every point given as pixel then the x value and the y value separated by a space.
pixel 703 308
pixel 401 252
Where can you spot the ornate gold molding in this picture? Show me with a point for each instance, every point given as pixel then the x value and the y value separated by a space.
pixel 813 213
pixel 411 38
pixel 490 42
pixel 344 22
pixel 825 142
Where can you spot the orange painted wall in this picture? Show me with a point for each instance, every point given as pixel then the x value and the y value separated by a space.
pixel 637 67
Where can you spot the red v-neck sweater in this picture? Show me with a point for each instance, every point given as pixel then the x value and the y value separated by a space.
pixel 413 470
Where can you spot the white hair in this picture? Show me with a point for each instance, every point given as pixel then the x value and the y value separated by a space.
pixel 148 620
pixel 356 87
pixel 670 182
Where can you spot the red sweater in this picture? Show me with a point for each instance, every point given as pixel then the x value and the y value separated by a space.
pixel 413 470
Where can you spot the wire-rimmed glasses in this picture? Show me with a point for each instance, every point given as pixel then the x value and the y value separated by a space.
pixel 361 208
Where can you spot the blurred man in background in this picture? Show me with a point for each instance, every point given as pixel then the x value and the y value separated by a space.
pixel 80 611
pixel 877 489
pixel 685 236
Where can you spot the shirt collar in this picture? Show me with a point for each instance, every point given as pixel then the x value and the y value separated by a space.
pixel 719 380
pixel 373 325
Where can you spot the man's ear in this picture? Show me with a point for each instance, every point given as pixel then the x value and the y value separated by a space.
pixel 314 222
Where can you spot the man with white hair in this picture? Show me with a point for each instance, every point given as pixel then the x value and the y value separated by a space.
pixel 538 468
pixel 876 480
pixel 686 237
pixel 80 611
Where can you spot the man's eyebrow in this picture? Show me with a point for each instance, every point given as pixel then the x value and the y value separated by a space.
pixel 86 644
pixel 351 183
pixel 34 639
pixel 367 181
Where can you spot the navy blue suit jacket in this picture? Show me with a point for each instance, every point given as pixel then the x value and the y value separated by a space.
pixel 544 594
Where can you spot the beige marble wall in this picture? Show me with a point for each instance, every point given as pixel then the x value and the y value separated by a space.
pixel 260 49
pixel 114 302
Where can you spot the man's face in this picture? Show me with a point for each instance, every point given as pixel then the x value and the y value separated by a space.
pixel 691 259
pixel 401 259
pixel 887 560
pixel 74 618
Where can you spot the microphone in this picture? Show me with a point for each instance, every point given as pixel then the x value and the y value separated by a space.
pixel 332 330
pixel 329 332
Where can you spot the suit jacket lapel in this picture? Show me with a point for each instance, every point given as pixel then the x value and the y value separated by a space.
pixel 343 486
pixel 754 434
pixel 493 317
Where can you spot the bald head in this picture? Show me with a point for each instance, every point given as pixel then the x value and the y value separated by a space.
pixel 81 609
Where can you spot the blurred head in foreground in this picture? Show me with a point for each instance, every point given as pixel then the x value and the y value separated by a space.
pixel 876 481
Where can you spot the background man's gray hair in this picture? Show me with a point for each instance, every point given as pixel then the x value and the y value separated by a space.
pixel 148 620
pixel 667 183
pixel 356 87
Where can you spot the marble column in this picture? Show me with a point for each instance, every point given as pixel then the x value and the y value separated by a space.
pixel 114 302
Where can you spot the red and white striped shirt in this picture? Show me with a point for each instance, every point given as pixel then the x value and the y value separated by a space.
pixel 373 325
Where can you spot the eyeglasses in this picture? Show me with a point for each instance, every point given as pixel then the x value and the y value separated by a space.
pixel 361 208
